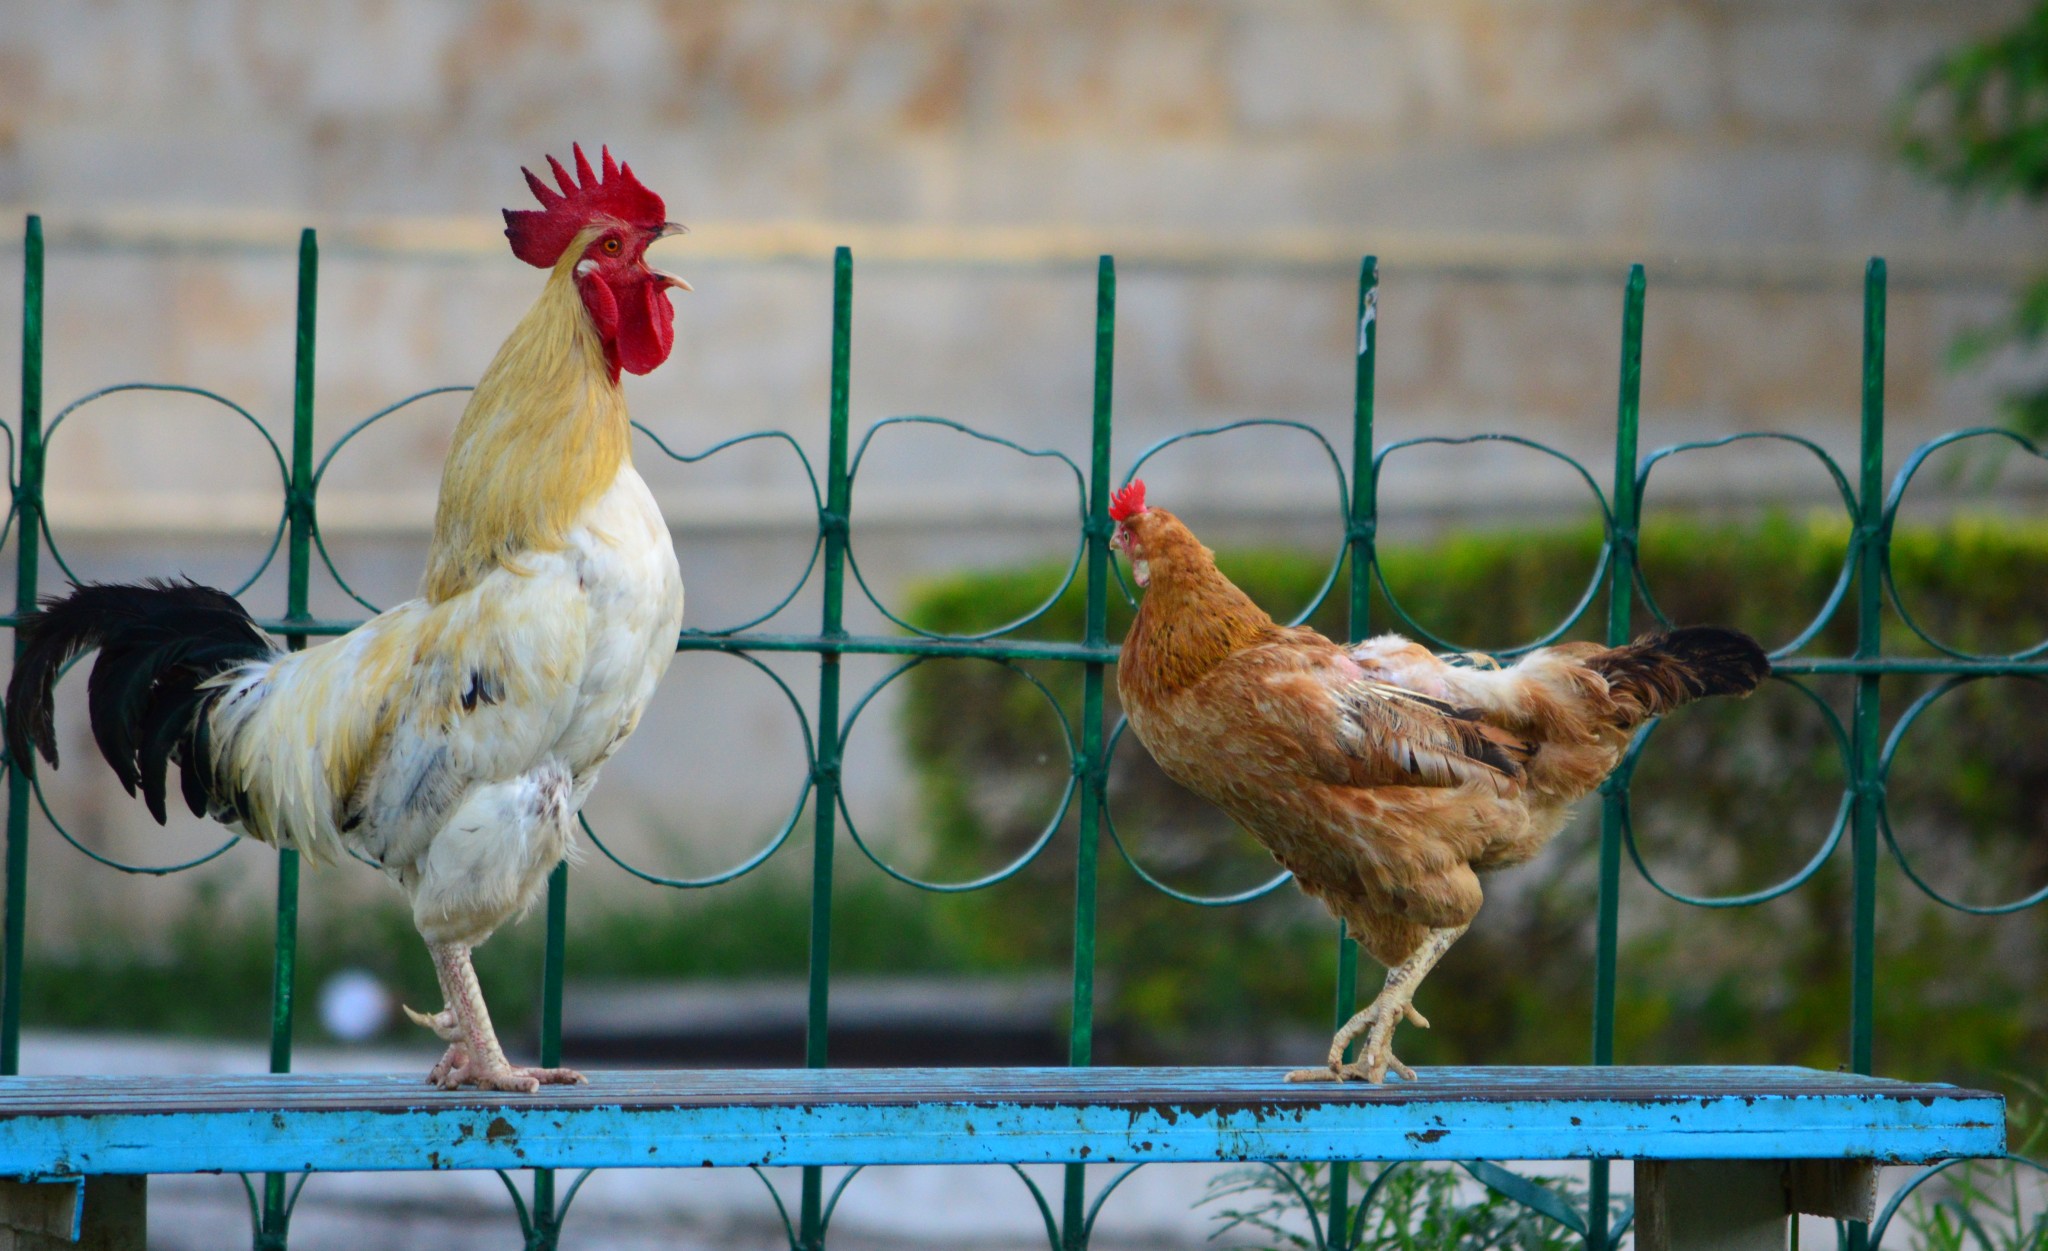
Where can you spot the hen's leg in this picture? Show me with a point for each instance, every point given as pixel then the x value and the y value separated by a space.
pixel 474 1057
pixel 1377 1020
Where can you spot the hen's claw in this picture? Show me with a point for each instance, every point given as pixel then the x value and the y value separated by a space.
pixel 1375 1057
pixel 1394 1004
pixel 511 1078
pixel 1356 1071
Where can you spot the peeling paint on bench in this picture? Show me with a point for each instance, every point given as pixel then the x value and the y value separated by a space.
pixel 91 1125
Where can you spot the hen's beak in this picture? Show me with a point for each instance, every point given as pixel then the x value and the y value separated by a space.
pixel 671 228
pixel 670 280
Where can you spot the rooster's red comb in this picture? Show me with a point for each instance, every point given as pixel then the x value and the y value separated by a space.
pixel 1129 502
pixel 540 235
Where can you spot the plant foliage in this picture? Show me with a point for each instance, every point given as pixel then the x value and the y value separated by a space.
pixel 1401 1207
pixel 1977 121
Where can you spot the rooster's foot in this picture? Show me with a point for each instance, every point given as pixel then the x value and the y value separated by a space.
pixel 452 1060
pixel 505 1077
pixel 445 1028
pixel 443 1023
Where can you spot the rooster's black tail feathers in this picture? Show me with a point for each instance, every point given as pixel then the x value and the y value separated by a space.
pixel 1661 672
pixel 159 642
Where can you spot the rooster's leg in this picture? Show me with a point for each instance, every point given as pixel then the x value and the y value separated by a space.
pixel 474 1057
pixel 1378 1019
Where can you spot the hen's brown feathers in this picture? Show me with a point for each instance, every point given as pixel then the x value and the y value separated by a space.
pixel 1664 671
pixel 1380 775
pixel 1427 741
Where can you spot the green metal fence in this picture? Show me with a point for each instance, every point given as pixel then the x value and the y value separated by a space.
pixel 1864 588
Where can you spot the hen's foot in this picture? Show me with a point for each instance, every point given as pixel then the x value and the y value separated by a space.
pixel 507 1077
pixel 1376 1021
pixel 1358 1070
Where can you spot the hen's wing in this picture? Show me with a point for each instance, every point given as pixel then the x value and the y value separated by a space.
pixel 1361 731
pixel 1400 738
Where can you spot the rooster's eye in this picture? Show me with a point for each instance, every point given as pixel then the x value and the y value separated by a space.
pixel 611 247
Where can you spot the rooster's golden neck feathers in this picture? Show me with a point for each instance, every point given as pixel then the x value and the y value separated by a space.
pixel 544 435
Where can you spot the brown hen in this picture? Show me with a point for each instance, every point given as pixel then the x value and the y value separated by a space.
pixel 1384 778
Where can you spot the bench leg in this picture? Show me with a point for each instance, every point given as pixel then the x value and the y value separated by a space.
pixel 1711 1205
pixel 105 1214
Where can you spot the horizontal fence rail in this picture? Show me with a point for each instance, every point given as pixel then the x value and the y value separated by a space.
pixel 1617 599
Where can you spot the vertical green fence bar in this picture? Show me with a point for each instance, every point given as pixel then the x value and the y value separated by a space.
pixel 1865 730
pixel 825 791
pixel 1361 539
pixel 271 1233
pixel 1094 765
pixel 545 1228
pixel 28 533
pixel 1614 791
pixel 1870 540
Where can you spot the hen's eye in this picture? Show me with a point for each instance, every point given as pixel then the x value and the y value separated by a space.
pixel 611 247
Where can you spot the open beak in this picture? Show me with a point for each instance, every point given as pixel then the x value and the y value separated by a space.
pixel 667 280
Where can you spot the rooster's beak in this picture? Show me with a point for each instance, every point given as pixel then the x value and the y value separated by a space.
pixel 670 280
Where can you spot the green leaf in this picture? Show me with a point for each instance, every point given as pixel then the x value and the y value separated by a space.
pixel 1527 1193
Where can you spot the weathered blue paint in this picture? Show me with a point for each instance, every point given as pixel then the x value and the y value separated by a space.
pixel 87 1125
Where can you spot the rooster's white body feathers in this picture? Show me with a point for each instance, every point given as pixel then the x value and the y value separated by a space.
pixel 451 744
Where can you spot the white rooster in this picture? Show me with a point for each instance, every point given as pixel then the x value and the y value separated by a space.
pixel 451 740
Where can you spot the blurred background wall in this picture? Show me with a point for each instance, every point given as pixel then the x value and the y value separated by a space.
pixel 1505 158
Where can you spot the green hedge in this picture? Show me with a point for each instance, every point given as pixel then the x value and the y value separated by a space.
pixel 1729 798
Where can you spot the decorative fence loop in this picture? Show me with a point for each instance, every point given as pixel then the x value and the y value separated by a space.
pixel 1891 747
pixel 141 870
pixel 1073 565
pixel 276 453
pixel 817 499
pixel 320 474
pixel 1029 854
pixel 1330 453
pixel 1593 584
pixel 1835 597
pixel 1907 472
pixel 775 842
pixel 1624 774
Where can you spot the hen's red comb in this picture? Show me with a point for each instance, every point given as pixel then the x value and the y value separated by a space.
pixel 1129 502
pixel 540 235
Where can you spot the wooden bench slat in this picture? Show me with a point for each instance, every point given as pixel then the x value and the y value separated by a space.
pixel 63 1125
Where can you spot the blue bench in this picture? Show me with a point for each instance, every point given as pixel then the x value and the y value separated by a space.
pixel 1730 1151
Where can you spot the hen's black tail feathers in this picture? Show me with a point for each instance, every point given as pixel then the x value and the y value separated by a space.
pixel 159 642
pixel 1661 672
